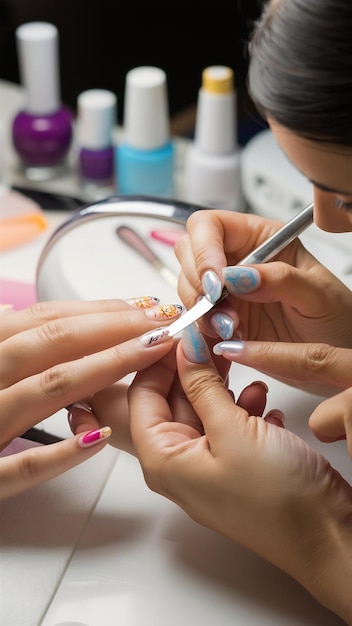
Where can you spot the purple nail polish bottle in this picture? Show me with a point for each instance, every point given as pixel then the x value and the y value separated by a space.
pixel 42 132
pixel 96 118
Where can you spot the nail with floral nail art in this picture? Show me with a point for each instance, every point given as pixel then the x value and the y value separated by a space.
pixel 211 285
pixel 194 345
pixel 240 280
pixel 222 324
pixel 164 311
pixel 144 302
pixel 93 437
pixel 151 338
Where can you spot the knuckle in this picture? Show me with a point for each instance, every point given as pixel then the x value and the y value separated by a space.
pixel 56 332
pixel 319 356
pixel 28 467
pixel 55 381
pixel 42 311
pixel 200 381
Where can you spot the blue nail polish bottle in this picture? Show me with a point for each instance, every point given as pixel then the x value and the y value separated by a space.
pixel 145 154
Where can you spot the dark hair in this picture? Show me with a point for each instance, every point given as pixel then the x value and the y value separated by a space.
pixel 300 67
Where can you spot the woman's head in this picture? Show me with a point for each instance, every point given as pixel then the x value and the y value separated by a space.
pixel 300 71
pixel 300 78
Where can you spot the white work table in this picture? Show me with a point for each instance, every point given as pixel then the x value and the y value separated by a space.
pixel 95 547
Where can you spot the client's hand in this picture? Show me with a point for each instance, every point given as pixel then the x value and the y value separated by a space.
pixel 252 481
pixel 53 355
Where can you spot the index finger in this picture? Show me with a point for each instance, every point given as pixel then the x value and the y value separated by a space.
pixel 217 239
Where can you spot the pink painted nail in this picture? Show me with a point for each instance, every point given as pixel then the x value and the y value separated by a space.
pixel 164 311
pixel 94 436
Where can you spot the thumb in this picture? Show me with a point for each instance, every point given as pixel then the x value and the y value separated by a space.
pixel 205 389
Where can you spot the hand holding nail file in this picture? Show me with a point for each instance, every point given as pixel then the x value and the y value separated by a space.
pixel 265 252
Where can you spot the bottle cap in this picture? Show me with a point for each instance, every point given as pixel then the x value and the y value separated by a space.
pixel 218 79
pixel 146 116
pixel 215 130
pixel 96 117
pixel 37 49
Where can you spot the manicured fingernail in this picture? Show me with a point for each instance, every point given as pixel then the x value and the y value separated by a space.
pixel 240 280
pixel 228 348
pixel 159 335
pixel 194 345
pixel 275 417
pixel 164 311
pixel 223 325
pixel 211 285
pixel 144 302
pixel 93 437
pixel 6 308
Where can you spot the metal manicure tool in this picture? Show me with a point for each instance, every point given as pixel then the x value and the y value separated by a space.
pixel 265 252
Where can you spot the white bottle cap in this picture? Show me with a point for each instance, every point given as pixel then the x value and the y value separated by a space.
pixel 146 115
pixel 96 116
pixel 215 131
pixel 37 48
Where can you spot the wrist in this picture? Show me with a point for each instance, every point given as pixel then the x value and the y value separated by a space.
pixel 326 567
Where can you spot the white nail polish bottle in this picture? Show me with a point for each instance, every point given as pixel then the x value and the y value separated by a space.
pixel 212 162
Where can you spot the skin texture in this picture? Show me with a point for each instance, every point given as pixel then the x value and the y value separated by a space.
pixel 51 355
pixel 296 325
pixel 224 472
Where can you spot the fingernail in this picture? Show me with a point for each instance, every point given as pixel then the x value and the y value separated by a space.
pixel 159 335
pixel 6 308
pixel 164 311
pixel 211 285
pixel 275 417
pixel 228 348
pixel 223 325
pixel 260 383
pixel 240 280
pixel 144 302
pixel 93 437
pixel 77 405
pixel 194 345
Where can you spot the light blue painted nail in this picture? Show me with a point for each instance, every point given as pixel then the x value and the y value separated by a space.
pixel 228 348
pixel 211 285
pixel 194 345
pixel 222 325
pixel 240 279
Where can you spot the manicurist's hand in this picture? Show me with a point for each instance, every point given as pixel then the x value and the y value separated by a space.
pixel 292 299
pixel 54 354
pixel 319 367
pixel 232 471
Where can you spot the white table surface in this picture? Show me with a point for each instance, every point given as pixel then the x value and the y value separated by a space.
pixel 95 547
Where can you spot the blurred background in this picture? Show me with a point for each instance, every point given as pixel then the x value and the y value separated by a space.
pixel 100 41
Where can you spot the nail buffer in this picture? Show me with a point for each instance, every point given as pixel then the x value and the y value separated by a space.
pixel 265 252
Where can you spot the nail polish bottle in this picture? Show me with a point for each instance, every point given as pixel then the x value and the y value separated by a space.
pixel 212 161
pixel 145 154
pixel 42 132
pixel 96 118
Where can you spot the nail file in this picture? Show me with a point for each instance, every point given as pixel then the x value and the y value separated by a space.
pixel 265 252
